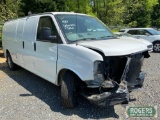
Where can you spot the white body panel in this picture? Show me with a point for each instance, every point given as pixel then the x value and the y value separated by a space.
pixel 29 37
pixel 150 38
pixel 116 47
pixel 42 61
pixel 10 38
pixel 77 59
pixel 45 60
pixel 19 38
pixel 50 58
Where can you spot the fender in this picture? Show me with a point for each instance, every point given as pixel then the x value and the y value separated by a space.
pixel 155 41
pixel 78 59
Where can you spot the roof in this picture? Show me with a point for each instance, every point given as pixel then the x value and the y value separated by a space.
pixel 136 28
pixel 53 13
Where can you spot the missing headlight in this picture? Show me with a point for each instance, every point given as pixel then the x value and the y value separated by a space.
pixel 98 73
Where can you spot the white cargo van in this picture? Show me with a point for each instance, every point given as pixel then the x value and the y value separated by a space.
pixel 77 52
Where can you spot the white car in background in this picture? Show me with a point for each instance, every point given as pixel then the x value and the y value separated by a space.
pixel 129 36
pixel 122 34
pixel 149 34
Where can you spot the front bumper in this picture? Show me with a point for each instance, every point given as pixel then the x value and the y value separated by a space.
pixel 117 95
pixel 108 99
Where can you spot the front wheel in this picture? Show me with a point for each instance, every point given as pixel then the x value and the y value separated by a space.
pixel 156 47
pixel 68 90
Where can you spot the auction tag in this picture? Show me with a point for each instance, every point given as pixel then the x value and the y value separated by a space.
pixel 141 111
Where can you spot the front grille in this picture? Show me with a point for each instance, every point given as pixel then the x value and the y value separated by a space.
pixel 117 64
pixel 134 69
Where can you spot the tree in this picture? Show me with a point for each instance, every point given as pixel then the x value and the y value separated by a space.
pixel 155 15
pixel 36 6
pixel 8 9
pixel 138 12
pixel 109 11
pixel 40 6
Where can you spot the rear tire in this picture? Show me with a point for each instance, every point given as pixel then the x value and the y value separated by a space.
pixel 12 66
pixel 68 90
pixel 156 47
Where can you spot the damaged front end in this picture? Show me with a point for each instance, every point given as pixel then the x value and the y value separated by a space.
pixel 114 78
pixel 110 93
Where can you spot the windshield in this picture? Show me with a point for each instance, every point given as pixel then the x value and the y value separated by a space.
pixel 154 32
pixel 81 27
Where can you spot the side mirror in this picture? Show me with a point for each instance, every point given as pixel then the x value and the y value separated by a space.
pixel 46 34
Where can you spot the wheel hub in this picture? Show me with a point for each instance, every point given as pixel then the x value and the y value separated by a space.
pixel 157 47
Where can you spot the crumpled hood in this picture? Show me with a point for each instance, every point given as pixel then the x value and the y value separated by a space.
pixel 115 47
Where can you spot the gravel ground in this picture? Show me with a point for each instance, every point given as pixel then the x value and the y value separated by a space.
pixel 25 96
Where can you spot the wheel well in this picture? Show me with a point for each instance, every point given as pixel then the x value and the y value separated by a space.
pixel 7 52
pixel 156 41
pixel 61 74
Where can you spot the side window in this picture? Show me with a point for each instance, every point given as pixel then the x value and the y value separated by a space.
pixel 147 32
pixel 143 32
pixel 46 22
pixel 132 32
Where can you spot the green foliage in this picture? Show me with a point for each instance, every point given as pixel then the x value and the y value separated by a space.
pixel 131 13
pixel 37 6
pixel 156 15
pixel 138 12
pixel 40 6
pixel 80 6
pixel 109 11
pixel 8 9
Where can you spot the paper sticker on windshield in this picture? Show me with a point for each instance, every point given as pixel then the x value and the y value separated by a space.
pixel 64 21
pixel 69 26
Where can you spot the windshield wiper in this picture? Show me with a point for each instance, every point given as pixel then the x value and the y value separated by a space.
pixel 84 39
pixel 108 37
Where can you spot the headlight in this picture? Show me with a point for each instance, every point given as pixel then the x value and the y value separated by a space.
pixel 150 47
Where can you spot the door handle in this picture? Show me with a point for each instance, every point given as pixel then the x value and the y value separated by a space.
pixel 34 46
pixel 23 44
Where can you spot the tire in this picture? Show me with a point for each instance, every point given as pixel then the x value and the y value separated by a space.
pixel 12 66
pixel 156 47
pixel 68 90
